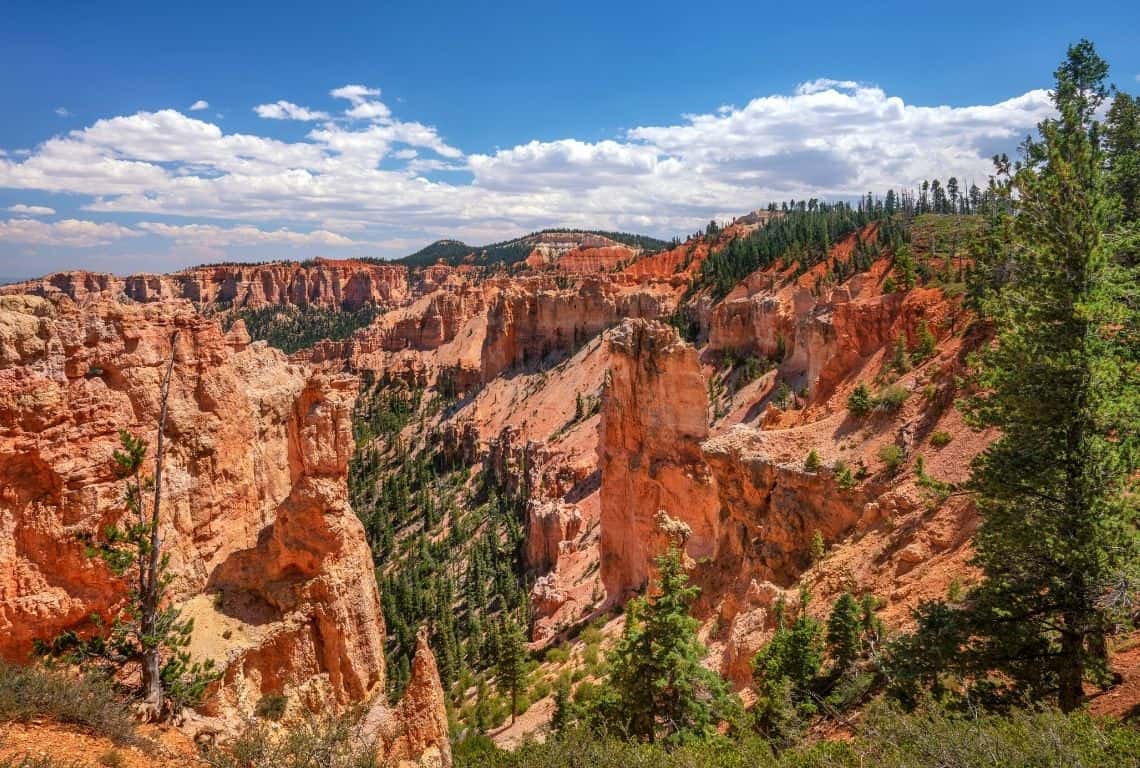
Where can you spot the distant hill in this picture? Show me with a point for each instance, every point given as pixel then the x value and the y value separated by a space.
pixel 510 251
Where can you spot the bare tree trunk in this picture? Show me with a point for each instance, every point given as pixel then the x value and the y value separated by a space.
pixel 151 662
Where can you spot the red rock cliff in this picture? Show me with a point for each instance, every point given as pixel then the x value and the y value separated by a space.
pixel 267 555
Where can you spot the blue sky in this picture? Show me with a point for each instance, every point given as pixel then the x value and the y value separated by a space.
pixel 354 129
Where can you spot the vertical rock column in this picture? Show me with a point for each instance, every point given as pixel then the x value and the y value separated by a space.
pixel 654 417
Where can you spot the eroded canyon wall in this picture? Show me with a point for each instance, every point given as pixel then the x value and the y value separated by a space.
pixel 266 554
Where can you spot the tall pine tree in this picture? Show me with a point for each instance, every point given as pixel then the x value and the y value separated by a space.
pixel 661 689
pixel 1057 536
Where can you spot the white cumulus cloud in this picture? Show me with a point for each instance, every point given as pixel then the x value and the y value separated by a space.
pixel 68 232
pixel 211 236
pixel 354 93
pixel 387 179
pixel 287 110
pixel 31 210
pixel 199 105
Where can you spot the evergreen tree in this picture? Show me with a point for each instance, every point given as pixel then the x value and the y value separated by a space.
pixel 150 631
pixel 900 358
pixel 844 632
pixel 1122 150
pixel 860 401
pixel 785 672
pixel 926 341
pixel 660 688
pixel 1060 383
pixel 510 664
pixel 562 714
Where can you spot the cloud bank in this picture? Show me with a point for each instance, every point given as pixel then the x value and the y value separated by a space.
pixel 362 177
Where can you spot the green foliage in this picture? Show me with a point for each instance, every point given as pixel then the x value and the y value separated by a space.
pixel 658 688
pixel 686 323
pixel 34 693
pixel 803 235
pixel 818 546
pixel 785 671
pixel 330 741
pixel 892 398
pixel 783 395
pixel 886 738
pixel 905 270
pixel 812 463
pixel 925 342
pixel 508 252
pixel 448 551
pixel 271 706
pixel 562 707
pixel 510 670
pixel 844 477
pixel 291 329
pixel 1122 154
pixel 844 632
pixel 941 438
pixel 860 402
pixel 892 456
pixel 1057 542
pixel 900 358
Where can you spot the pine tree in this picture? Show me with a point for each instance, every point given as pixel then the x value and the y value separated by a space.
pixel 785 671
pixel 1060 383
pixel 510 664
pixel 926 341
pixel 860 401
pixel 900 358
pixel 562 714
pixel 1122 150
pixel 662 691
pixel 844 632
pixel 150 631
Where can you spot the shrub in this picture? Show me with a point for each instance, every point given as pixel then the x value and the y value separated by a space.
pixel 860 402
pixel 844 478
pixel 112 758
pixel 28 761
pixel 887 739
pixel 892 398
pixel 557 655
pixel 941 439
pixel 271 706
pixel 812 462
pixel 891 455
pixel 28 693
pixel 900 359
pixel 315 742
